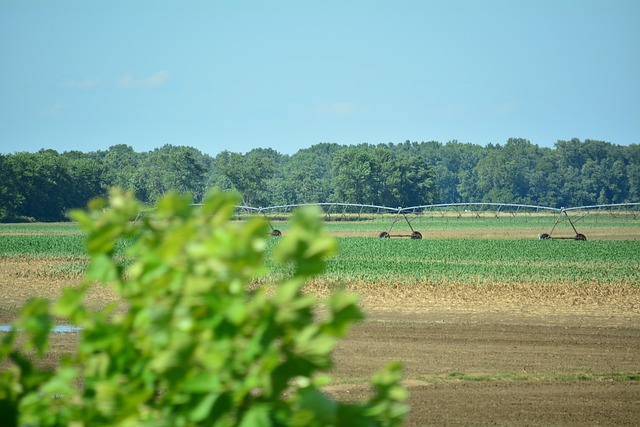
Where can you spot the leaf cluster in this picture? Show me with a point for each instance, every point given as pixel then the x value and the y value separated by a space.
pixel 196 345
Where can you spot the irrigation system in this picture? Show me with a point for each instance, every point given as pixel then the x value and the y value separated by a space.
pixel 354 211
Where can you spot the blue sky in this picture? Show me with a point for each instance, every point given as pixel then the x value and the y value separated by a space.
pixel 236 75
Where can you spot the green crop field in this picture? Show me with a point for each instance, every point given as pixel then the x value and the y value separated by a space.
pixel 482 260
pixel 476 260
pixel 40 228
pixel 42 246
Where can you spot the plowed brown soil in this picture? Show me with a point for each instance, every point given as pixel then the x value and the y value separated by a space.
pixel 498 369
pixel 502 354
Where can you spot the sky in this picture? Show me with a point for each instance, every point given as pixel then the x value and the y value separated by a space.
pixel 238 75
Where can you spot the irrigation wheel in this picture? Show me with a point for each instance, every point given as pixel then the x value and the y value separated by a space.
pixel 384 235
pixel 580 236
pixel 416 235
pixel 276 232
pixel 545 236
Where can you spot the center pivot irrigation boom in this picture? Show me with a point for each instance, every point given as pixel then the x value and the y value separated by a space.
pixel 468 209
pixel 351 211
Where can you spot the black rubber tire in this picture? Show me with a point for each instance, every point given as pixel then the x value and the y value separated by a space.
pixel 416 235
pixel 384 235
pixel 276 233
pixel 545 236
pixel 580 237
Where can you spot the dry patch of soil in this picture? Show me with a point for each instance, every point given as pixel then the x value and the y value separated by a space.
pixel 23 278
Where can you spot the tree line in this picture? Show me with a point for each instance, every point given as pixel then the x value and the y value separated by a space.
pixel 43 186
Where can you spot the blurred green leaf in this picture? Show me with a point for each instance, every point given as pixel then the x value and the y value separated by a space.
pixel 36 322
pixel 257 416
pixel 323 408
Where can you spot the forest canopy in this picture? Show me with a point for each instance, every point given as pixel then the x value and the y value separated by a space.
pixel 45 185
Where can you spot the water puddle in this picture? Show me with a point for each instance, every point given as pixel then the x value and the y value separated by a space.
pixel 58 329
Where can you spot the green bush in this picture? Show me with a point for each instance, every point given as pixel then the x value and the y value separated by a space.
pixel 196 345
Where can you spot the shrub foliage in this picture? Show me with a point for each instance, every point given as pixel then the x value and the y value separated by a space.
pixel 195 345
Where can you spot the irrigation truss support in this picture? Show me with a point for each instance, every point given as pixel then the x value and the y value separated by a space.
pixel 580 212
pixel 415 235
pixel 564 216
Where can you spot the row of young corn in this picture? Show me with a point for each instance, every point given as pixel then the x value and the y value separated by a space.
pixel 478 260
pixel 471 260
pixel 43 246
pixel 46 246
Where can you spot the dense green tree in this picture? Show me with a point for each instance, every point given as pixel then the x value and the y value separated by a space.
pixel 454 165
pixel 303 179
pixel 416 186
pixel 45 184
pixel 321 156
pixel 508 173
pixel 633 175
pixel 120 164
pixel 456 173
pixel 545 179
pixel 170 168
pixel 596 172
pixel 353 180
pixel 41 184
pixel 11 198
pixel 374 175
pixel 248 174
pixel 632 159
pixel 85 178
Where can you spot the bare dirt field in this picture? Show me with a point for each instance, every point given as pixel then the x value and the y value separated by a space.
pixel 496 355
pixel 500 368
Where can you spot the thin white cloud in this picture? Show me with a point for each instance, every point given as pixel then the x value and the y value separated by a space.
pixel 449 111
pixel 83 84
pixel 343 108
pixel 337 108
pixel 503 109
pixel 56 108
pixel 129 82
